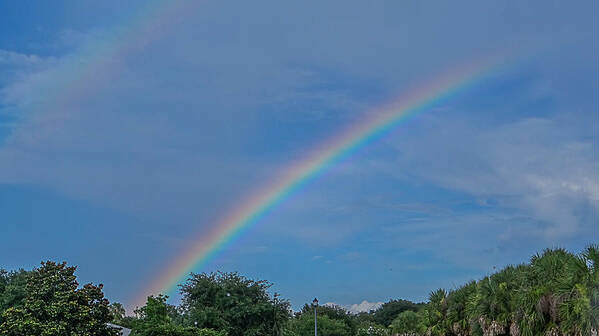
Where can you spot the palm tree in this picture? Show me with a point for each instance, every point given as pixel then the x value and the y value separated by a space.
pixel 579 288
pixel 591 254
pixel 457 300
pixel 556 294
pixel 541 299
pixel 434 313
pixel 493 307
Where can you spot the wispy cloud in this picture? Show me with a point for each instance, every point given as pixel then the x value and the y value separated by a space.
pixel 540 166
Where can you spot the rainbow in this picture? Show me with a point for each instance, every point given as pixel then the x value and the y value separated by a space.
pixel 94 60
pixel 373 126
pixel 97 59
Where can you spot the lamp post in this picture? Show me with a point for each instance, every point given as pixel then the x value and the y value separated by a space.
pixel 315 305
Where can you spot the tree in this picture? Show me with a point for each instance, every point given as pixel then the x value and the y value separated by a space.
pixel 408 323
pixel 579 290
pixel 363 317
pixel 54 306
pixel 117 311
pixel 155 320
pixel 494 301
pixel 557 293
pixel 457 313
pixel 540 300
pixel 435 313
pixel 304 325
pixel 333 312
pixel 12 289
pixel 119 316
pixel 233 303
pixel 385 314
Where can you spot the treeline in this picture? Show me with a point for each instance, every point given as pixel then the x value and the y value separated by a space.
pixel 230 304
pixel 556 293
pixel 49 301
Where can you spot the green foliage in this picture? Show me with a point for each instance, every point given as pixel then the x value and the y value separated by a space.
pixel 304 325
pixel 176 330
pixel 435 313
pixel 209 332
pixel 333 312
pixel 155 312
pixel 53 305
pixel 12 289
pixel 557 292
pixel 578 288
pixel 155 320
pixel 408 323
pixel 371 329
pixel 390 310
pixel 119 317
pixel 363 317
pixel 457 301
pixel 233 303
pixel 117 311
pixel 335 320
pixel 540 300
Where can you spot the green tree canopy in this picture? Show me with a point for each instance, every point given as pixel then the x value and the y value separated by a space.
pixel 155 319
pixel 304 325
pixel 333 312
pixel 117 311
pixel 119 316
pixel 233 303
pixel 54 306
pixel 385 314
pixel 12 289
pixel 408 323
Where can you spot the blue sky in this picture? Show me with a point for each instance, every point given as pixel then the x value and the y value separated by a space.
pixel 118 173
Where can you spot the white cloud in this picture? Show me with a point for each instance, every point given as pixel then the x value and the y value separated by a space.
pixel 541 166
pixel 356 308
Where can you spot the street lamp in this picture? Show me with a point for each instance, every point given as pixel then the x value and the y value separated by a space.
pixel 315 305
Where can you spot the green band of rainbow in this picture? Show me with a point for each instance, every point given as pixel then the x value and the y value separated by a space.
pixel 376 124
